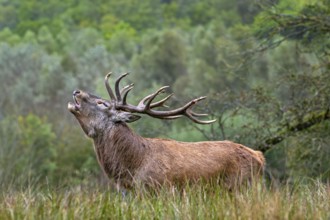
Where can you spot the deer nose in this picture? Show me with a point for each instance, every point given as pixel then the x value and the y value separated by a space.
pixel 76 92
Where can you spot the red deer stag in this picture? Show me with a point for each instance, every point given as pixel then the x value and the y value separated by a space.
pixel 130 159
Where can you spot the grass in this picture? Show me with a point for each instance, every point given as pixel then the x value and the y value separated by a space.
pixel 194 202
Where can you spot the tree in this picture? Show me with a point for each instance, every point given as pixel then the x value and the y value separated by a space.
pixel 162 58
pixel 288 110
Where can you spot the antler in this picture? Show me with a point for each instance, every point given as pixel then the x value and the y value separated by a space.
pixel 146 105
pixel 106 82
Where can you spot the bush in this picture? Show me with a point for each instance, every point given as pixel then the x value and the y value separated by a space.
pixel 27 149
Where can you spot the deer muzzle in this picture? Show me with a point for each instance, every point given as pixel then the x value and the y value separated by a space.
pixel 74 106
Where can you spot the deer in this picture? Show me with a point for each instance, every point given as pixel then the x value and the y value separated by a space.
pixel 130 160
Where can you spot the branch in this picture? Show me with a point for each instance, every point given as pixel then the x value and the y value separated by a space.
pixel 313 120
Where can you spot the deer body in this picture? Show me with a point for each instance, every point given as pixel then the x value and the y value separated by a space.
pixel 130 159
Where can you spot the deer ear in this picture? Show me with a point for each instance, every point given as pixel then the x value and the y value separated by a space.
pixel 126 117
pixel 131 117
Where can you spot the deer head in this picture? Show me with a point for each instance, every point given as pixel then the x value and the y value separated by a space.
pixel 95 114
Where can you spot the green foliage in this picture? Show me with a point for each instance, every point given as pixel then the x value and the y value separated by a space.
pixel 6 35
pixel 32 78
pixel 305 23
pixel 310 156
pixel 122 40
pixel 162 58
pixel 31 153
pixel 27 150
pixel 45 39
pixel 76 163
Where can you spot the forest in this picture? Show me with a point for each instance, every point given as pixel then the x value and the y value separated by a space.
pixel 263 65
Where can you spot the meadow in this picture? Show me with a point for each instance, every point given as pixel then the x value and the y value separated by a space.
pixel 299 201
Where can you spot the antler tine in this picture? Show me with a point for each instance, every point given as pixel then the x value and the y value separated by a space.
pixel 199 121
pixel 192 115
pixel 186 110
pixel 125 91
pixel 197 114
pixel 125 88
pixel 161 102
pixel 169 117
pixel 106 82
pixel 117 86
pixel 141 103
pixel 153 96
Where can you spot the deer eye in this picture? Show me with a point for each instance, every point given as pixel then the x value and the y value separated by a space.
pixel 100 102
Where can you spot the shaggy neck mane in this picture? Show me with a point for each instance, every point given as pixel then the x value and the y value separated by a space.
pixel 120 151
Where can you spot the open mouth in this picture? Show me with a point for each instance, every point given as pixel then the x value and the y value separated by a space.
pixel 75 106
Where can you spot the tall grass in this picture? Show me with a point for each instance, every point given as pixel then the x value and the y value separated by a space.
pixel 193 202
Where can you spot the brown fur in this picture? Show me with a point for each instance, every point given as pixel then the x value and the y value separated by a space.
pixel 130 159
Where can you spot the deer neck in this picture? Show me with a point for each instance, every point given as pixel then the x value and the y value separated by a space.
pixel 120 151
